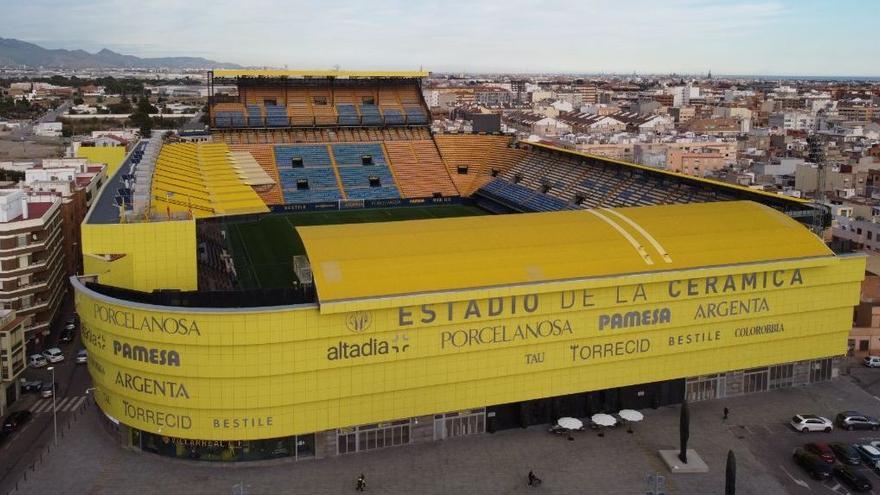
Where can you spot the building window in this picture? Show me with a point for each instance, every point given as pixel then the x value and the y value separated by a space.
pixel 371 437
pixel 705 387
pixel 863 345
pixel 781 376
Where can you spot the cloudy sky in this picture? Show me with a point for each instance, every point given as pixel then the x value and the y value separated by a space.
pixel 784 37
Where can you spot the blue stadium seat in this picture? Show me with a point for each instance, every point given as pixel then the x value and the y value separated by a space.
pixel 348 115
pixel 229 119
pixel 276 116
pixel 370 115
pixel 351 155
pixel 394 117
pixel 255 116
pixel 416 115
pixel 312 155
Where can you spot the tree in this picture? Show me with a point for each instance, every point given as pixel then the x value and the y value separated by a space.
pixel 730 474
pixel 684 426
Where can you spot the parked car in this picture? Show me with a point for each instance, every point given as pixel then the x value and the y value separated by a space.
pixel 822 450
pixel 31 385
pixel 811 422
pixel 871 361
pixel 82 356
pixel 814 465
pixel 53 355
pixel 47 389
pixel 66 336
pixel 37 361
pixel 853 420
pixel 846 453
pixel 16 420
pixel 869 453
pixel 852 478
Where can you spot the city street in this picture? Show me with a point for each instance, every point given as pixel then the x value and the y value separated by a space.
pixel 25 446
pixel 89 461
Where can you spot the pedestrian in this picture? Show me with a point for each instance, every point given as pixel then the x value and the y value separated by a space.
pixel 533 480
pixel 361 483
pixel 726 412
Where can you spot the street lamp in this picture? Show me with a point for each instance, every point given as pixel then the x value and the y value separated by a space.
pixel 54 410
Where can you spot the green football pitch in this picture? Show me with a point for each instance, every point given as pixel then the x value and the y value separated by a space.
pixel 263 249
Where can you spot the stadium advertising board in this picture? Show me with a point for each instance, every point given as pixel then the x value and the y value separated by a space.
pixel 236 374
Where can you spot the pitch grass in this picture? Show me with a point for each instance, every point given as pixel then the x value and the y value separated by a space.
pixel 263 249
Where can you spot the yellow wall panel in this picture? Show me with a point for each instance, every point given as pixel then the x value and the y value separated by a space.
pixel 157 255
pixel 112 156
pixel 239 374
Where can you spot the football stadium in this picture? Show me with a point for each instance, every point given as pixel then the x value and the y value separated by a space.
pixel 324 275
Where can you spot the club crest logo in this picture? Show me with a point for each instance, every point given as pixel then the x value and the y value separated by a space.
pixel 359 321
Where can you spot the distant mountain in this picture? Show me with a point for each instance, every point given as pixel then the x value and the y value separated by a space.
pixel 16 53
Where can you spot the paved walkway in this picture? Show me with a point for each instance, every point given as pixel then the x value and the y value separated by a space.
pixel 87 461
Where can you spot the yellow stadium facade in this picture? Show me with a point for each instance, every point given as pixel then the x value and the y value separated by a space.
pixel 378 364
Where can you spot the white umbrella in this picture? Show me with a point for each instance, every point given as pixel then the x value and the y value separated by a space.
pixel 604 419
pixel 570 423
pixel 631 415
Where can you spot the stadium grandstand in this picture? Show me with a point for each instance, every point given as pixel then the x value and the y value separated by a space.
pixel 334 272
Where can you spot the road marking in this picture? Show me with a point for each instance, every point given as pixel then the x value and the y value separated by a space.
pixel 878 398
pixel 74 405
pixel 68 404
pixel 797 481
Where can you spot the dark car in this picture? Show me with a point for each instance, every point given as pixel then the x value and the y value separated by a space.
pixel 66 336
pixel 846 453
pixel 822 450
pixel 4 435
pixel 814 465
pixel 31 385
pixel 853 420
pixel 15 420
pixel 852 478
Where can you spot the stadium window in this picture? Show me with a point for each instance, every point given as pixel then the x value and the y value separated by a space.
pixel 437 195
pixel 579 200
pixel 462 170
pixel 374 181
pixel 296 162
pixel 517 178
pixel 368 100
pixel 319 100
pixel 494 172
pixel 367 160
pixel 302 184
pixel 270 102
pixel 545 188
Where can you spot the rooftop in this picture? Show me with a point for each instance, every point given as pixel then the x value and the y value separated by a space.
pixel 456 254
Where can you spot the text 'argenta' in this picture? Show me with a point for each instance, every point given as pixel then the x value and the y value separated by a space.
pixel 163 324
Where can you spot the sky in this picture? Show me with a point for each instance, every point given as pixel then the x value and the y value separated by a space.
pixel 776 37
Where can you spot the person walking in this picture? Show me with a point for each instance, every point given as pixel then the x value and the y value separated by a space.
pixel 533 480
pixel 361 483
pixel 726 412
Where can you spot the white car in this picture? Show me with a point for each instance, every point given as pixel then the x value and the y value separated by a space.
pixel 53 355
pixel 811 422
pixel 37 361
pixel 872 361
pixel 82 356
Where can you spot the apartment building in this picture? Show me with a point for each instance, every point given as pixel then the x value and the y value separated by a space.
pixel 13 358
pixel 32 260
